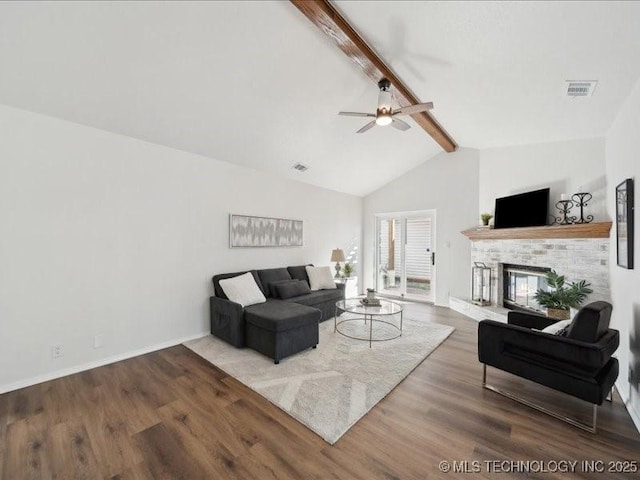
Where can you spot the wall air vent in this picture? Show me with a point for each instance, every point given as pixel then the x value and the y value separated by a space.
pixel 580 88
pixel 300 167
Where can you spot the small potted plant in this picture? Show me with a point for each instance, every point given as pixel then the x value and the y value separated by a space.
pixel 562 297
pixel 348 270
pixel 486 217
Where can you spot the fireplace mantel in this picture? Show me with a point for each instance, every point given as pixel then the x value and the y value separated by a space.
pixel 583 230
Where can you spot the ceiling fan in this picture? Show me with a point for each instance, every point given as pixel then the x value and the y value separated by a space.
pixel 385 114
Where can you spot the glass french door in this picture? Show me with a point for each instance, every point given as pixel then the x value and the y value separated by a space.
pixel 405 260
pixel 390 262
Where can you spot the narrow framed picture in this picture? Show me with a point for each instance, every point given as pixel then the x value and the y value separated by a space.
pixel 247 231
pixel 624 223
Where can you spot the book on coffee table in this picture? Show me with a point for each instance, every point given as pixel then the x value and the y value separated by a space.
pixel 370 303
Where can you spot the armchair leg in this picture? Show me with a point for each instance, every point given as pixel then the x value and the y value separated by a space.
pixel 610 396
pixel 571 421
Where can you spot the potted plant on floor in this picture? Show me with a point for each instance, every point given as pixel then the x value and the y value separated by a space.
pixel 562 296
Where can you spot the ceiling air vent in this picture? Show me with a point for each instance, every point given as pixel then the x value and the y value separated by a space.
pixel 580 88
pixel 300 167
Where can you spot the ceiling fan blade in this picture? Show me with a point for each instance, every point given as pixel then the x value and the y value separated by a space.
pixel 368 126
pixel 411 109
pixel 357 114
pixel 400 124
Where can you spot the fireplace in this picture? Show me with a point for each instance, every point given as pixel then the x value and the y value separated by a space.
pixel 520 283
pixel 575 258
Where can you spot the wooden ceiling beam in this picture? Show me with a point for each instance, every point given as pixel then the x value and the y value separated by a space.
pixel 324 16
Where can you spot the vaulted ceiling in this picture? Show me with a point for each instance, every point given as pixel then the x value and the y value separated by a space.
pixel 255 83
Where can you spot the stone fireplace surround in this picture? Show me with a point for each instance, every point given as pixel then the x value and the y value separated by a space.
pixel 576 258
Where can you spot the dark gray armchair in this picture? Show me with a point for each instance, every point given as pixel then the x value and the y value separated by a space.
pixel 579 364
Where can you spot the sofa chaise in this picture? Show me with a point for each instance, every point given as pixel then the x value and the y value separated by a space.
pixel 285 324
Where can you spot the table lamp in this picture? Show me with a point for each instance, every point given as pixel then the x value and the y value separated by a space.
pixel 337 256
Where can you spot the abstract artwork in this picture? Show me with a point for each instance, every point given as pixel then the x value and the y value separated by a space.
pixel 248 231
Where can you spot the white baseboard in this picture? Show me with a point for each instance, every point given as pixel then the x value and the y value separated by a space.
pixel 97 363
pixel 633 413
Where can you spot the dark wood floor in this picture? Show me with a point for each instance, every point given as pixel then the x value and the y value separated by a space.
pixel 171 414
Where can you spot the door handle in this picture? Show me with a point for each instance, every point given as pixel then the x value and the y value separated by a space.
pixel 433 258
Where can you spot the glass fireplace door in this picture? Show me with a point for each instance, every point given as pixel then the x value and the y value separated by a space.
pixel 520 285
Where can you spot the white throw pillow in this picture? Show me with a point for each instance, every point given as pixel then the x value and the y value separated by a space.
pixel 320 278
pixel 242 289
pixel 556 328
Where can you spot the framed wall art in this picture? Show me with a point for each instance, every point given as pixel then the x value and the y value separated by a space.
pixel 624 223
pixel 246 231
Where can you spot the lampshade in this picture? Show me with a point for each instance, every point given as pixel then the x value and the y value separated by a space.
pixel 337 255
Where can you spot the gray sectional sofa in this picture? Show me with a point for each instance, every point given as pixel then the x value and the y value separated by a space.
pixel 285 324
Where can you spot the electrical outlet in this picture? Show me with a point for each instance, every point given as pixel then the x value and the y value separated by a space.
pixel 56 351
pixel 98 341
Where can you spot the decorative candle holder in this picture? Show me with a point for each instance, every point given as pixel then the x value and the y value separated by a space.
pixel 580 200
pixel 564 207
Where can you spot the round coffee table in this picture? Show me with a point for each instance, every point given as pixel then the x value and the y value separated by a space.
pixel 381 314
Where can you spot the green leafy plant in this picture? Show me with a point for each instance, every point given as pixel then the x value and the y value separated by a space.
pixel 348 269
pixel 485 218
pixel 562 296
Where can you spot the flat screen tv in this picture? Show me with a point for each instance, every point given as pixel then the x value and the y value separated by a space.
pixel 530 209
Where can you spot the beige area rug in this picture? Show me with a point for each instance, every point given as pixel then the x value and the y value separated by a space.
pixel 330 388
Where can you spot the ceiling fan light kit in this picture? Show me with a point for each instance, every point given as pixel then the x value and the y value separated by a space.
pixel 383 118
pixel 385 114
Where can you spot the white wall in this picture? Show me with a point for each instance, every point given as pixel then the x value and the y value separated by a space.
pixel 447 183
pixel 622 162
pixel 563 166
pixel 101 234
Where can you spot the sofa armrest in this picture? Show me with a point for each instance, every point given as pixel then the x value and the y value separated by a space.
pixel 529 320
pixel 343 287
pixel 227 320
pixel 497 338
